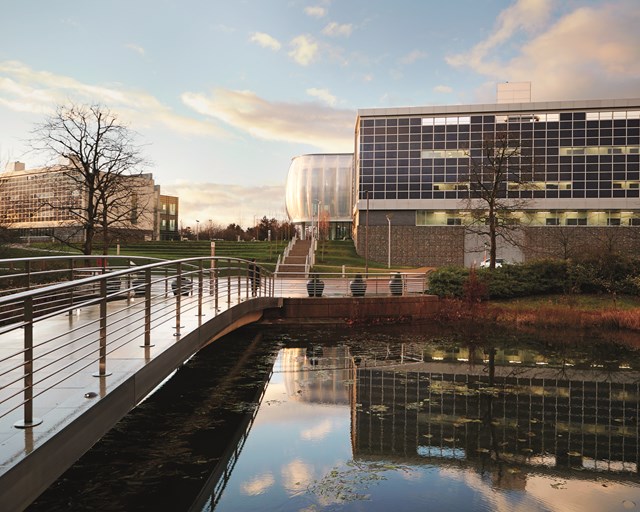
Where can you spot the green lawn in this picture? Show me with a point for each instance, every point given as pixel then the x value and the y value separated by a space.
pixel 330 257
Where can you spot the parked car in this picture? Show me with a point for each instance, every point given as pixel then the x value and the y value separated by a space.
pixel 487 263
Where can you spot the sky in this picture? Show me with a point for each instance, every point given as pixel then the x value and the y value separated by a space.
pixel 222 94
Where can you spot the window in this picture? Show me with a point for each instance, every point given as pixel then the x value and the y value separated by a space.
pixel 613 221
pixel 576 221
pixel 552 221
pixel 454 221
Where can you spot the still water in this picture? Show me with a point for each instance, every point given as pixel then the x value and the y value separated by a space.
pixel 436 425
pixel 378 420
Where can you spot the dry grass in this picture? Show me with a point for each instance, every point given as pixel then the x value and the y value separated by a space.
pixel 543 316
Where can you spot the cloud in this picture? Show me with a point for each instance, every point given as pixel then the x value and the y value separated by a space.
pixel 334 29
pixel 444 89
pixel 317 432
pixel 138 49
pixel 24 89
pixel 257 485
pixel 265 40
pixel 591 52
pixel 315 11
pixel 527 15
pixel 297 476
pixel 226 203
pixel 323 95
pixel 412 57
pixel 324 127
pixel 304 50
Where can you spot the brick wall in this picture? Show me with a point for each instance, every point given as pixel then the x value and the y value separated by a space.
pixel 418 246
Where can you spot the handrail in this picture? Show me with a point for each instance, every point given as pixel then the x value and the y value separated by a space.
pixel 144 298
pixel 168 289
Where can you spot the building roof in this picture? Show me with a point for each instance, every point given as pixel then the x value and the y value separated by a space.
pixel 482 108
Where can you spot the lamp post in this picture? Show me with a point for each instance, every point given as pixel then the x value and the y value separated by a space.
pixel 389 215
pixel 197 230
pixel 366 240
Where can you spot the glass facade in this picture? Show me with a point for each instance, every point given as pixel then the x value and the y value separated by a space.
pixel 320 184
pixel 580 153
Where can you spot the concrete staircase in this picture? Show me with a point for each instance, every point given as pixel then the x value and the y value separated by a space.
pixel 294 263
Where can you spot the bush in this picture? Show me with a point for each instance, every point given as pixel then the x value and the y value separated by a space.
pixel 448 282
pixel 508 281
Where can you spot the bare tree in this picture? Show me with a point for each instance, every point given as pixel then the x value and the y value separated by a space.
pixel 500 169
pixel 324 228
pixel 103 166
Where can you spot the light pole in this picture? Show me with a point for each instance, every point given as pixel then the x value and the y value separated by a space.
pixel 197 230
pixel 389 215
pixel 366 240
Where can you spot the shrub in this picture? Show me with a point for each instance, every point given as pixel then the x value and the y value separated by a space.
pixel 448 281
pixel 539 277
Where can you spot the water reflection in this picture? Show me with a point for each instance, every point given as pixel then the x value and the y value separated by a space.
pixel 505 425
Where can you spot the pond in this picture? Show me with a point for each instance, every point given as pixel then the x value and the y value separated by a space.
pixel 378 419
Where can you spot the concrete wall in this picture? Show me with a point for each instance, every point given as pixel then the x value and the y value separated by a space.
pixel 348 309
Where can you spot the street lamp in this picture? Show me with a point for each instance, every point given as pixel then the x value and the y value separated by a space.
pixel 197 230
pixel 366 240
pixel 389 215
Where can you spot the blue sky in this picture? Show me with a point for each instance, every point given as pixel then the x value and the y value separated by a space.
pixel 224 93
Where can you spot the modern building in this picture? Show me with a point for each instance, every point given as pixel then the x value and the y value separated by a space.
pixel 168 222
pixel 412 188
pixel 318 192
pixel 40 202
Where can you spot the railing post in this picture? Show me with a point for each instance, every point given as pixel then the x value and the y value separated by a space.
pixel 248 281
pixel 200 285
pixel 228 284
pixel 71 289
pixel 178 293
pixel 240 286
pixel 29 420
pixel 147 309
pixel 166 282
pixel 27 271
pixel 216 287
pixel 102 364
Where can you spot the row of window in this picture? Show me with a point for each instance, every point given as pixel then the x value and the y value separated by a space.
pixel 537 117
pixel 588 129
pixel 535 218
pixel 415 191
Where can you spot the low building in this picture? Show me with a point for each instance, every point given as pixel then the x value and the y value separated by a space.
pixel 44 203
pixel 318 194
pixel 168 217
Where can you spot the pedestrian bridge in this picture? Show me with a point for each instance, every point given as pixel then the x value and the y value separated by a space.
pixel 83 341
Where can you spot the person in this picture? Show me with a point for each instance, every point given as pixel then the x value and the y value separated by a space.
pixel 254 277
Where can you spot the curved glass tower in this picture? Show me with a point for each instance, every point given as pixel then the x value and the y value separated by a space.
pixel 320 186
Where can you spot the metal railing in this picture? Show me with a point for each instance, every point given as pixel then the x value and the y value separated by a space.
pixel 126 306
pixel 129 302
pixel 340 284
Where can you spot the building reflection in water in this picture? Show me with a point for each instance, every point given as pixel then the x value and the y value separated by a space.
pixel 319 375
pixel 506 414
pixel 497 410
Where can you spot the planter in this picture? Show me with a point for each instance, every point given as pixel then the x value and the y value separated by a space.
pixel 358 286
pixel 186 287
pixel 315 287
pixel 395 284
